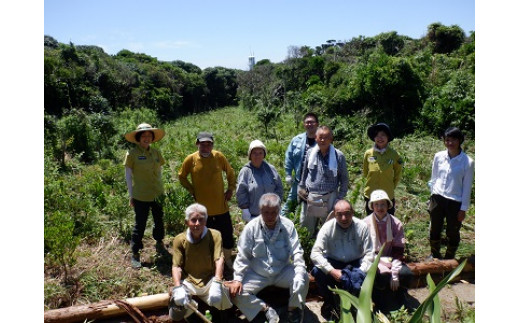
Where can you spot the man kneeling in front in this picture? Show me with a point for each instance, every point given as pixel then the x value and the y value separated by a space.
pixel 198 267
pixel 269 254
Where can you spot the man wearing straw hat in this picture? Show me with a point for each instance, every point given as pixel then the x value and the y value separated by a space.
pixel 143 180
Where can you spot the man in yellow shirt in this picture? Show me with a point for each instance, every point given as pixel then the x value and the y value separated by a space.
pixel 205 168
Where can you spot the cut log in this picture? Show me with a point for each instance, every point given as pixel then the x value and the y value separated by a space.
pixel 105 309
pixel 437 266
pixel 108 309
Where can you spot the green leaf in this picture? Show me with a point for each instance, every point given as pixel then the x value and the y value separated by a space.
pixel 364 302
pixel 419 313
pixel 364 314
pixel 435 308
pixel 346 300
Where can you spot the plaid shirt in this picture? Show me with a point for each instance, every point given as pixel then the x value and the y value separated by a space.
pixel 321 179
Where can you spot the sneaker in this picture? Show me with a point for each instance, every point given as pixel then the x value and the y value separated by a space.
pixel 271 315
pixel 294 316
pixel 136 263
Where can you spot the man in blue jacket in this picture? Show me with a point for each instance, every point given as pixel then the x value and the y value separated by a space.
pixel 294 158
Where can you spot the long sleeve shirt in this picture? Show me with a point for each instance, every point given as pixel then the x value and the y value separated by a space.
pixel 254 182
pixel 321 179
pixel 268 252
pixel 380 231
pixel 207 184
pixel 295 155
pixel 382 171
pixel 453 177
pixel 344 245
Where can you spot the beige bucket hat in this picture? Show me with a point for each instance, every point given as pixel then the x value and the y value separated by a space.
pixel 379 195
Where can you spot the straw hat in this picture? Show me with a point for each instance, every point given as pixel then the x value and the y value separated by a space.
pixel 158 134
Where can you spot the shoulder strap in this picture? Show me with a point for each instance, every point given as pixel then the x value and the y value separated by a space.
pixel 211 243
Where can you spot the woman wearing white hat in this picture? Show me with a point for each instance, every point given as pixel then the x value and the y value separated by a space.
pixel 256 178
pixel 143 180
pixel 386 228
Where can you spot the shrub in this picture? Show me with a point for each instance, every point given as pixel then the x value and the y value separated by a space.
pixel 60 242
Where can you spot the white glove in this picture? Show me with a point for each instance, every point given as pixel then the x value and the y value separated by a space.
pixel 246 215
pixel 394 283
pixel 180 297
pixel 215 293
pixel 298 285
pixel 288 179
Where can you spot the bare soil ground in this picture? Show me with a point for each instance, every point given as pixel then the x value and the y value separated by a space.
pixel 108 264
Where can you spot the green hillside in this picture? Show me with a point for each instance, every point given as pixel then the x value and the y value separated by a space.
pixel 88 220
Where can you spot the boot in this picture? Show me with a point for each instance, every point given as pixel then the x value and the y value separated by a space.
pixel 450 252
pixel 435 246
pixel 227 258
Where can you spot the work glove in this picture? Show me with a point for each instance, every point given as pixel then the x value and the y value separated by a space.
pixel 180 297
pixel 298 284
pixel 396 268
pixel 394 283
pixel 215 293
pixel 288 179
pixel 246 215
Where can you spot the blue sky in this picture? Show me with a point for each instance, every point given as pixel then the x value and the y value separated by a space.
pixel 225 33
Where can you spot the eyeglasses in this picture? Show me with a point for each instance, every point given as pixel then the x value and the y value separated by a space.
pixel 310 122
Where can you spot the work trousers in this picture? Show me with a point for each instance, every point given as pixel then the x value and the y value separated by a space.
pixel 442 208
pixel 141 216
pixel 250 305
pixel 222 223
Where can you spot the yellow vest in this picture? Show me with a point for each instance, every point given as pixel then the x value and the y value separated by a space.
pixel 197 260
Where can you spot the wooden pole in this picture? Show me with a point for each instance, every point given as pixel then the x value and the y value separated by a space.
pixel 105 309
pixel 108 308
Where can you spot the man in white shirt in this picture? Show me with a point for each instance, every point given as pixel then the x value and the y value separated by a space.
pixel 342 254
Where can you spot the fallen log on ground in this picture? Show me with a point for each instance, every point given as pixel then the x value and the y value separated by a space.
pixel 104 309
pixel 438 269
pixel 109 309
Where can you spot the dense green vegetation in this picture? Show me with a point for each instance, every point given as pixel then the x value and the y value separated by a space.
pixel 417 86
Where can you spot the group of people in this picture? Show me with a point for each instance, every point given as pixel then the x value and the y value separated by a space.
pixel 269 250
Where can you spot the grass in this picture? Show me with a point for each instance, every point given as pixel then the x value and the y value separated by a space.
pixel 102 269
